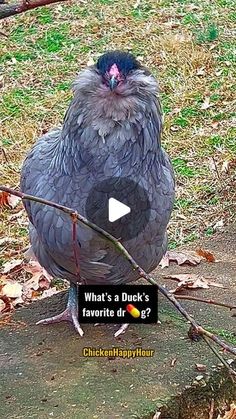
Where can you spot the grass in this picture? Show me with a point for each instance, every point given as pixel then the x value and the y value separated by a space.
pixel 188 45
pixel 225 334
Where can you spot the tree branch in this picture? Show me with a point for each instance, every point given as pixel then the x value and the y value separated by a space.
pixel 75 215
pixel 7 10
pixel 204 300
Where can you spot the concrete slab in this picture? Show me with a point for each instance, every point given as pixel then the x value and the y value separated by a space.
pixel 44 375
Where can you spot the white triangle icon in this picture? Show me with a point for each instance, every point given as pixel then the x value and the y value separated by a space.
pixel 116 209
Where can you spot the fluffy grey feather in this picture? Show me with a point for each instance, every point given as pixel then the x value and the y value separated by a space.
pixel 104 134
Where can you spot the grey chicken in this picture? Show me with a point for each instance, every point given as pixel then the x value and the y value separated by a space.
pixel 111 129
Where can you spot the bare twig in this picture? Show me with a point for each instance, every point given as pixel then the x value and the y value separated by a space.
pixel 199 329
pixel 75 244
pixel 204 300
pixel 220 357
pixel 216 169
pixel 7 10
pixel 211 411
pixel 4 154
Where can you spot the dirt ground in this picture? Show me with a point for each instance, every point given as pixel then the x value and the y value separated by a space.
pixel 44 374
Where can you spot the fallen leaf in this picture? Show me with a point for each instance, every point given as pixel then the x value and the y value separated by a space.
pixel 192 281
pixel 212 165
pixel 13 200
pixel 219 225
pixel 218 72
pixel 8 200
pixel 34 267
pixel 200 367
pixel 205 254
pixel 157 415
pixel 181 258
pixel 212 47
pixel 188 281
pixel 191 7
pixel 49 292
pixel 140 58
pixel 4 199
pixel 165 261
pixel 40 277
pixel 194 334
pixel 12 265
pixel 200 71
pixel 12 289
pixel 35 294
pixel 18 301
pixel 5 304
pixel 229 414
pixel 215 125
pixel 225 166
pixel 90 61
pixel 206 104
pixel 2 306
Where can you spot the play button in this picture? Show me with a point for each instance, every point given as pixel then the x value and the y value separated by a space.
pixel 116 210
pixel 120 206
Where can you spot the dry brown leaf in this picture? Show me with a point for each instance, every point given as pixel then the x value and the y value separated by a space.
pixel 35 294
pixel 12 289
pixel 205 254
pixel 192 281
pixel 4 196
pixel 5 304
pixel 174 128
pixel 230 414
pixel 189 281
pixel 225 166
pixel 8 200
pixel 35 268
pixel 200 367
pixel 2 305
pixel 181 258
pixel 12 265
pixel 165 261
pixel 40 277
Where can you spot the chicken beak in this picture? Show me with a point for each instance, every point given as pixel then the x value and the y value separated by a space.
pixel 113 82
